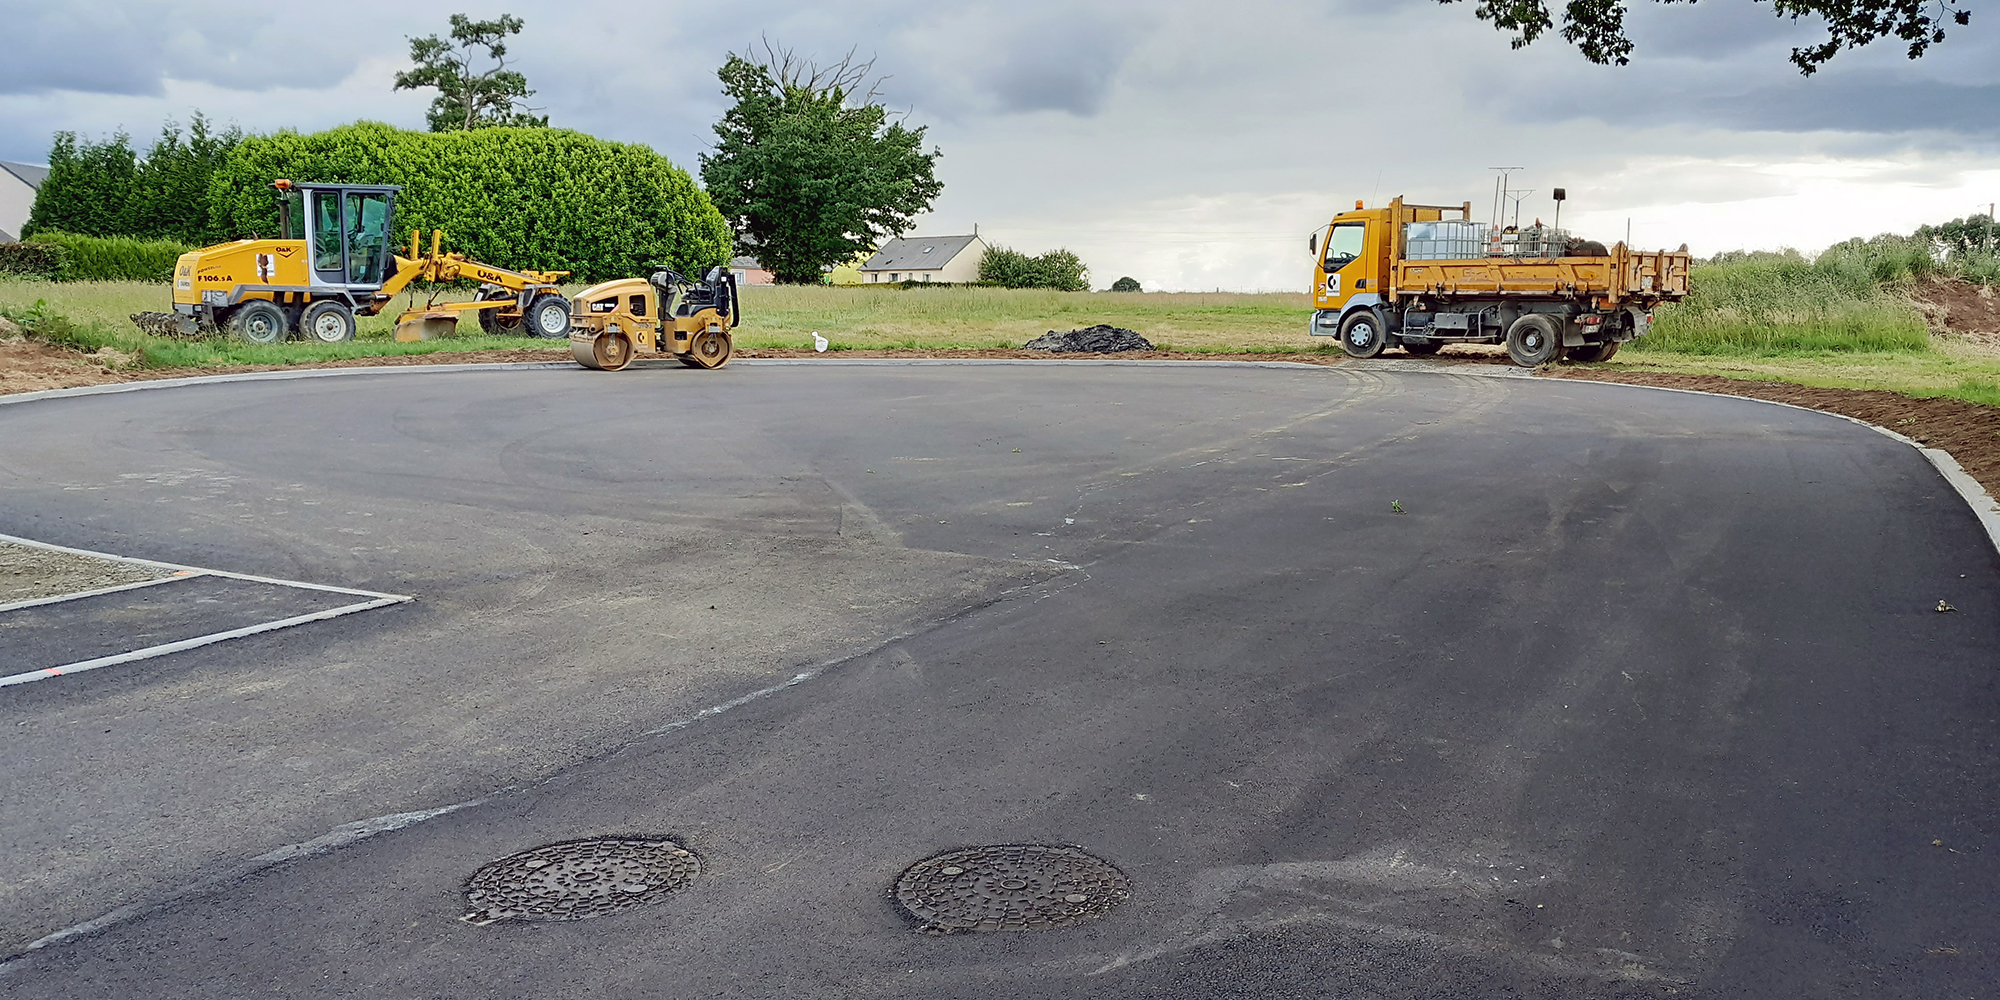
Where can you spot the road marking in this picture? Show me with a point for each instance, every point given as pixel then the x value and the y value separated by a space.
pixel 37 602
pixel 375 599
pixel 339 837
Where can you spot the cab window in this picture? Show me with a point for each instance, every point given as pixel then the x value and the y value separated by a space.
pixel 638 305
pixel 1344 245
pixel 369 239
pixel 326 231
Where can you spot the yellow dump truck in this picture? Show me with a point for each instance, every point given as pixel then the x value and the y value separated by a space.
pixel 1423 276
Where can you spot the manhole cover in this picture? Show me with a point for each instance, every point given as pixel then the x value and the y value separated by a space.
pixel 1011 887
pixel 578 879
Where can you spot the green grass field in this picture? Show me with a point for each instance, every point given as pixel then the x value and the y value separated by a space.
pixel 1769 317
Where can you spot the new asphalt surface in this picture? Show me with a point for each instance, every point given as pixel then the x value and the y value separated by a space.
pixel 1375 684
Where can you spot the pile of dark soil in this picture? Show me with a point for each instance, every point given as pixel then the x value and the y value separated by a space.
pixel 1099 339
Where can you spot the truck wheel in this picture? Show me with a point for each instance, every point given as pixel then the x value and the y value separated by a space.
pixel 1361 334
pixel 1591 353
pixel 327 322
pixel 548 316
pixel 492 322
pixel 258 322
pixel 1533 341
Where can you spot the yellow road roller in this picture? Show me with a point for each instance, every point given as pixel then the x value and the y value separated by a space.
pixel 664 314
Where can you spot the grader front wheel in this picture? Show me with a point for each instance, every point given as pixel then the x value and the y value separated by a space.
pixel 708 349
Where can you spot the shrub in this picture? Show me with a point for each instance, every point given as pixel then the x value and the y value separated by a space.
pixel 116 258
pixel 549 199
pixel 37 259
pixel 1058 269
pixel 1126 284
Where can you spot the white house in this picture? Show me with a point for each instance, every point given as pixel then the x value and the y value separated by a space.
pixel 926 258
pixel 18 184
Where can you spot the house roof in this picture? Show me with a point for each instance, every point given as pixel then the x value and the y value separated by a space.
pixel 7 237
pixel 745 263
pixel 917 253
pixel 32 175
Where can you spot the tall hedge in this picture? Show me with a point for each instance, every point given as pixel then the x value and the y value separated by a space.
pixel 111 258
pixel 548 199
pixel 105 188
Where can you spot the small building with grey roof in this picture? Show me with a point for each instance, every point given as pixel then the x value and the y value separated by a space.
pixel 926 259
pixel 18 184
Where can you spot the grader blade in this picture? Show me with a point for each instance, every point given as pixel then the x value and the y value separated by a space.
pixel 420 325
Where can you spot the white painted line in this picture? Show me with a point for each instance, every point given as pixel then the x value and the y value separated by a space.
pixel 376 599
pixel 81 594
pixel 201 640
pixel 156 564
pixel 339 837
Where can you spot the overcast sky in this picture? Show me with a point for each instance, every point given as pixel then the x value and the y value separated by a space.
pixel 1191 145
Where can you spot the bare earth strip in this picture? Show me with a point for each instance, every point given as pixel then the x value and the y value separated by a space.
pixel 28 574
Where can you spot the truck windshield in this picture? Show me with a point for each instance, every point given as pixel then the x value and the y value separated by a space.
pixel 1344 245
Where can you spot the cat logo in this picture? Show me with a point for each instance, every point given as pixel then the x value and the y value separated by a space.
pixel 267 266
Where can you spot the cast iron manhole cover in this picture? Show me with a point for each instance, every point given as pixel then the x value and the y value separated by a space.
pixel 1011 887
pixel 578 879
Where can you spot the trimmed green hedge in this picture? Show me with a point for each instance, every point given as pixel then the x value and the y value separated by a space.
pixel 39 260
pixel 69 257
pixel 548 199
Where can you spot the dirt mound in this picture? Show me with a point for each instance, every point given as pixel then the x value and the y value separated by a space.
pixel 1099 339
pixel 1962 308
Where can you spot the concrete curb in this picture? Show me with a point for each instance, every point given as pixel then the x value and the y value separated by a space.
pixel 1983 505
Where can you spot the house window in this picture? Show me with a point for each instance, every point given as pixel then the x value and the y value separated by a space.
pixel 893 276
pixel 927 276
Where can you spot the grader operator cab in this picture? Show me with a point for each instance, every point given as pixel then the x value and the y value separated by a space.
pixel 667 313
pixel 341 266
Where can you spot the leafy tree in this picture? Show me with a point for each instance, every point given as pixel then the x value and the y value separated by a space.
pixel 468 99
pixel 1126 284
pixel 809 169
pixel 1597 27
pixel 1058 269
pixel 1964 238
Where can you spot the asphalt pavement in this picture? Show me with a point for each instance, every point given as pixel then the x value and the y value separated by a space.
pixel 1371 684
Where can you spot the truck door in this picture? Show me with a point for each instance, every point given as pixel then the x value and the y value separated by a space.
pixel 367 236
pixel 1344 268
pixel 329 255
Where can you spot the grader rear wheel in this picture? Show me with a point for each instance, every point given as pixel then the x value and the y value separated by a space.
pixel 605 352
pixel 708 349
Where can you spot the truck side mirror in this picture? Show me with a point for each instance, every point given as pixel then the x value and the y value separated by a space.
pixel 1312 244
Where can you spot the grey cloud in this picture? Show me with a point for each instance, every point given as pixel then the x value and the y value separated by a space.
pixel 133 48
pixel 972 60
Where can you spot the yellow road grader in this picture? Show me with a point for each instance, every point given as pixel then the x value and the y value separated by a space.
pixel 343 266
